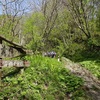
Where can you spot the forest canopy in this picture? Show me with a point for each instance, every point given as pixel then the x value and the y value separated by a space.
pixel 68 27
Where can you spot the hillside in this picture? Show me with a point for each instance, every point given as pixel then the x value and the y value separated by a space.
pixel 48 79
pixel 45 79
pixel 91 82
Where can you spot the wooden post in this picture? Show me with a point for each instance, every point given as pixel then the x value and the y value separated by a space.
pixel 0 55
pixel 26 63
pixel 0 70
pixel 0 41
pixel 0 63
pixel 22 70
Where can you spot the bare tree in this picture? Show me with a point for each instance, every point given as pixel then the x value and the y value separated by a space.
pixel 50 11
pixel 13 10
pixel 81 12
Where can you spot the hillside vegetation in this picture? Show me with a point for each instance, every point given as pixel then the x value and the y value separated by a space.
pixel 71 29
pixel 93 66
pixel 46 78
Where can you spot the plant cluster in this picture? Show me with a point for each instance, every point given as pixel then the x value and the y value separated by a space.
pixel 93 66
pixel 45 79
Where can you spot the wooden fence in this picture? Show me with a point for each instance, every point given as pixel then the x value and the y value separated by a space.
pixel 10 51
pixel 14 63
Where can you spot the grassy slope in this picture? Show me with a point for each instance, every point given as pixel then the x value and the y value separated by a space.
pixel 92 65
pixel 46 78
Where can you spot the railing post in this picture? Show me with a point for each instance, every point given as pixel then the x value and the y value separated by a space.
pixel 0 61
pixel 0 69
pixel 26 63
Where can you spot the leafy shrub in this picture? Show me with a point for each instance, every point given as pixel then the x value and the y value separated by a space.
pixel 93 66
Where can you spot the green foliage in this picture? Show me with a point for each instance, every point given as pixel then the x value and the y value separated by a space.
pixel 32 30
pixel 65 37
pixel 93 66
pixel 9 27
pixel 98 20
pixel 94 40
pixel 46 78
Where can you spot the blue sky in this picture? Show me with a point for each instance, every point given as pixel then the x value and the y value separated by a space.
pixel 0 9
pixel 25 4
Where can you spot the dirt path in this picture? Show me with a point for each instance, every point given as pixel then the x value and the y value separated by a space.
pixel 91 83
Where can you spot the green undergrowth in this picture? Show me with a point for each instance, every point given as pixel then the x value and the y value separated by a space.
pixel 93 66
pixel 44 79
